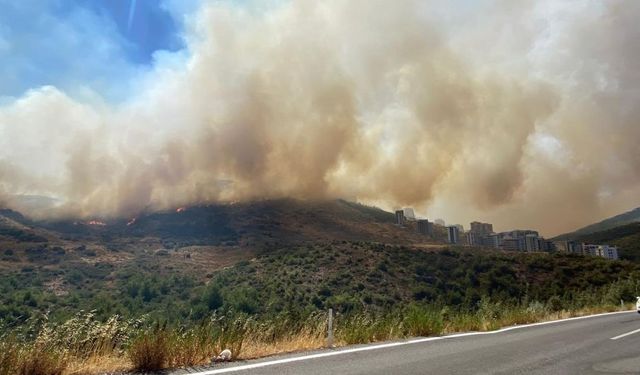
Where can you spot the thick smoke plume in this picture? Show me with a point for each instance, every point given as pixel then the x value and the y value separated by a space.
pixel 523 115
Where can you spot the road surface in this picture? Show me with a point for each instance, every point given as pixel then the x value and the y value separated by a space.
pixel 604 344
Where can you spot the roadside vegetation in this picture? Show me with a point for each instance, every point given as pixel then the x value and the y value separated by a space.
pixel 147 317
pixel 85 344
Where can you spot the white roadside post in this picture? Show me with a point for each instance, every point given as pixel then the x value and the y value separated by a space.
pixel 330 329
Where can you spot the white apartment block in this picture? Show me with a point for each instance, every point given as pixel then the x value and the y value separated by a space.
pixel 605 251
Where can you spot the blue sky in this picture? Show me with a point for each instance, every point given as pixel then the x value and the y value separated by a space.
pixel 84 44
pixel 152 27
pixel 96 46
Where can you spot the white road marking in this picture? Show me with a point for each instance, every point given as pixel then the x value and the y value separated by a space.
pixel 390 345
pixel 625 334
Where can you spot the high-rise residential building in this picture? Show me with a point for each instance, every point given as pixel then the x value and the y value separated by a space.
pixel 453 234
pixel 605 251
pixel 609 252
pixel 473 239
pixel 576 248
pixel 591 250
pixel 520 233
pixel 547 245
pixel 409 214
pixel 460 227
pixel 509 243
pixel 492 240
pixel 565 246
pixel 425 227
pixel 481 228
pixel 531 242
pixel 439 222
pixel 512 243
pixel 400 217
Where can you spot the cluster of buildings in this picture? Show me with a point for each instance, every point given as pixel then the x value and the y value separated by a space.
pixel 482 234
pixel 572 247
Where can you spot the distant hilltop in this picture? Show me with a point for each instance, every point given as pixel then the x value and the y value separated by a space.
pixel 628 217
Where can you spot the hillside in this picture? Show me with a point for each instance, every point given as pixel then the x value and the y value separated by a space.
pixel 301 279
pixel 263 274
pixel 284 220
pixel 76 263
pixel 610 223
pixel 357 275
pixel 14 227
pixel 200 237
pixel 262 256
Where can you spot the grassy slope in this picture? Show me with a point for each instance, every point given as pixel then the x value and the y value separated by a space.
pixel 287 261
pixel 158 263
pixel 275 303
pixel 301 279
pixel 288 255
pixel 358 275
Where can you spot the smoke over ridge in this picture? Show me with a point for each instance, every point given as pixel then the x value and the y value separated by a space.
pixel 524 115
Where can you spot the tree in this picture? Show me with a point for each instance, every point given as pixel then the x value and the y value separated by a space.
pixel 213 298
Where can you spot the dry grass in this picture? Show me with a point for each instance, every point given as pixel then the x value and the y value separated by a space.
pixel 85 346
pixel 299 342
pixel 19 359
pixel 150 351
pixel 98 364
pixel 462 323
pixel 41 362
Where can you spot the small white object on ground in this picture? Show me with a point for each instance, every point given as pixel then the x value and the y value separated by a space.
pixel 224 356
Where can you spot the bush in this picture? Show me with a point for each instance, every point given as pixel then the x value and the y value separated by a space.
pixel 423 321
pixel 41 362
pixel 191 347
pixel 555 303
pixel 9 356
pixel 33 359
pixel 361 328
pixel 213 298
pixel 150 351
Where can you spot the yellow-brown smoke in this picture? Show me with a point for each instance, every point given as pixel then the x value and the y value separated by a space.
pixel 526 116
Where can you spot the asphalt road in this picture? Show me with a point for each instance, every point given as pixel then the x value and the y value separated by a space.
pixel 595 345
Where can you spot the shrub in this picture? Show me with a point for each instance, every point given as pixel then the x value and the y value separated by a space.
pixel 150 351
pixel 366 327
pixel 422 321
pixel 191 347
pixel 37 358
pixel 9 356
pixel 213 298
pixel 554 303
pixel 41 362
pixel 233 333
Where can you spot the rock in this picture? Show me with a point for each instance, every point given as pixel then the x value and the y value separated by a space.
pixel 224 356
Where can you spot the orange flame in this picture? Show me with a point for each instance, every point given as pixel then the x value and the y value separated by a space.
pixel 96 222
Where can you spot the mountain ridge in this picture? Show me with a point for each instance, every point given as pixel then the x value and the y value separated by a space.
pixel 628 217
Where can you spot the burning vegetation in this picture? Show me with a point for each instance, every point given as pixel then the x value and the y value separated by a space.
pixel 96 223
